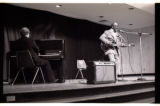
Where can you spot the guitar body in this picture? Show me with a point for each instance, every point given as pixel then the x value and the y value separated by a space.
pixel 106 47
pixel 114 46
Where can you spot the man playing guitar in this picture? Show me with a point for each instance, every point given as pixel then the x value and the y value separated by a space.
pixel 111 40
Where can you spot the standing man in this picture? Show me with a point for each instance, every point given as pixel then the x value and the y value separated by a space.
pixel 26 43
pixel 111 40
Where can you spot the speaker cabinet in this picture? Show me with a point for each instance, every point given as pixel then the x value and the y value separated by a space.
pixel 101 72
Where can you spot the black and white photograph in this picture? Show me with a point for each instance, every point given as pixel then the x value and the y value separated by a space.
pixel 78 52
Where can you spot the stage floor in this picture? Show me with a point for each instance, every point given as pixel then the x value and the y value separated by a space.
pixel 70 84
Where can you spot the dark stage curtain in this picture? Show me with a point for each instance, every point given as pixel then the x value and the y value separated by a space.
pixel 81 36
pixel 15 19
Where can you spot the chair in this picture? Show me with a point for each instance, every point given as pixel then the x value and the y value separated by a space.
pixel 81 65
pixel 24 61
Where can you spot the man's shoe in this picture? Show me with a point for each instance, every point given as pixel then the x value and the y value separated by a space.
pixel 56 80
pixel 60 81
pixel 49 82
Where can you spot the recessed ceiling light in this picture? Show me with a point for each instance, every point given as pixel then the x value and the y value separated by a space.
pixel 58 6
pixel 101 16
pixel 131 8
pixel 130 24
pixel 103 21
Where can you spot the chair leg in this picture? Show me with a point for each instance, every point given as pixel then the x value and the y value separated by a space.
pixel 81 74
pixel 16 76
pixel 35 75
pixel 42 74
pixel 24 77
pixel 77 74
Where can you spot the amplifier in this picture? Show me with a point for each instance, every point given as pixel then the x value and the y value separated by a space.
pixel 100 72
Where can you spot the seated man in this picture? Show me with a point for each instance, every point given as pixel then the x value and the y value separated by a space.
pixel 26 43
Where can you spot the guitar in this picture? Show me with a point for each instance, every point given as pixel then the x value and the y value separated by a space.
pixel 104 46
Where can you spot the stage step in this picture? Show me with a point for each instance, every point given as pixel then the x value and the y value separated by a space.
pixel 84 93
pixel 93 98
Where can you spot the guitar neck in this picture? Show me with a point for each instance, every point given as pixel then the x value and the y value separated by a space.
pixel 121 45
pixel 126 45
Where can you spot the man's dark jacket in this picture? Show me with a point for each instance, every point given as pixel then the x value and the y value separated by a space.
pixel 29 44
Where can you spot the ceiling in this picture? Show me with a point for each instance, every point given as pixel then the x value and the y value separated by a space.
pixel 103 13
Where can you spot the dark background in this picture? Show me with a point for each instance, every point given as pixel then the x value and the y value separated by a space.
pixel 157 38
pixel 81 36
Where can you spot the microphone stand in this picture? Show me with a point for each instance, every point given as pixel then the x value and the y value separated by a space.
pixel 140 46
pixel 141 58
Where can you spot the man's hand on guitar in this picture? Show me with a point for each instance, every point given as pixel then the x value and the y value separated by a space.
pixel 127 45
pixel 132 44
